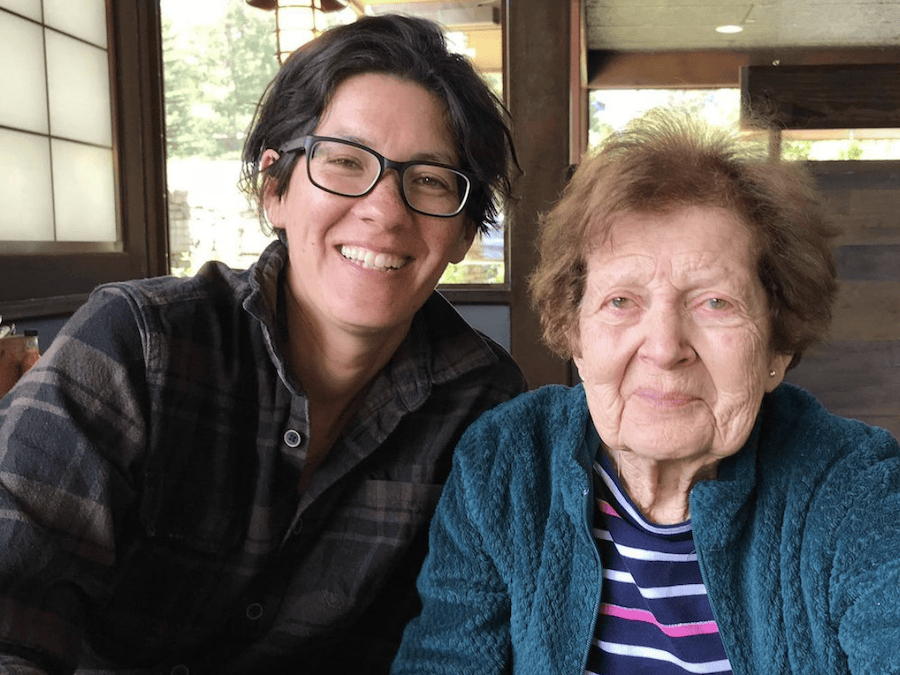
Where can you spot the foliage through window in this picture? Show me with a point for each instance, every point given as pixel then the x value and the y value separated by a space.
pixel 218 59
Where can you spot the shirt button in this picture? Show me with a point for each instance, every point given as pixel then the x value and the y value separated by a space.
pixel 180 669
pixel 298 526
pixel 292 438
pixel 254 611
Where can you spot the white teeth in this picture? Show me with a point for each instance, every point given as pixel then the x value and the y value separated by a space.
pixel 372 260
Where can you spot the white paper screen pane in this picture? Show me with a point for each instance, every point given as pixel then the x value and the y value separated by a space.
pixel 27 213
pixel 84 192
pixel 85 19
pixel 23 89
pixel 29 8
pixel 78 82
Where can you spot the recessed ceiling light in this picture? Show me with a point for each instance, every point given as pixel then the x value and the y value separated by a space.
pixel 729 29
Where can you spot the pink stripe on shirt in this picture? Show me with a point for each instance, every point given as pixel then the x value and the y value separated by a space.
pixel 607 509
pixel 676 630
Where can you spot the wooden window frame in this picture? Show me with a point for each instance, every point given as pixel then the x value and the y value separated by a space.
pixel 38 284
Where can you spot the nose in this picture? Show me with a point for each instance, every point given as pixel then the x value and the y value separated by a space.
pixel 667 338
pixel 385 200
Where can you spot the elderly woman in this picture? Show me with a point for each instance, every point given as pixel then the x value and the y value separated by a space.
pixel 681 511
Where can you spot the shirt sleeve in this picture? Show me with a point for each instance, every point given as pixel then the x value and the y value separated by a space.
pixel 70 434
pixel 463 628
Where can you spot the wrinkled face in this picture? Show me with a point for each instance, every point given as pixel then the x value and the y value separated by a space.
pixel 367 264
pixel 673 342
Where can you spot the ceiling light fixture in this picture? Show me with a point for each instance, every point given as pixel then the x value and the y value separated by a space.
pixel 729 28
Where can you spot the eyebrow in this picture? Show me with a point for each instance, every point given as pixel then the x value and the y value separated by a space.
pixel 438 157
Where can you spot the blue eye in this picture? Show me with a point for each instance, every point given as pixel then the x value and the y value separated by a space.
pixel 717 303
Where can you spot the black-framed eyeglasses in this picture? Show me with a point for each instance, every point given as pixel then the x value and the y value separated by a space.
pixel 350 169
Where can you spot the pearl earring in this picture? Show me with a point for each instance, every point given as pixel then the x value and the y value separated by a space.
pixel 771 373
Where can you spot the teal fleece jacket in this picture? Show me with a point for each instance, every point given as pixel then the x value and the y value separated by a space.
pixel 798 542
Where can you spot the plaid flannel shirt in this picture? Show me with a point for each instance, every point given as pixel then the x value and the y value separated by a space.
pixel 150 520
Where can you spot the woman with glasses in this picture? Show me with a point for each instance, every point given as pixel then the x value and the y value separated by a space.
pixel 234 473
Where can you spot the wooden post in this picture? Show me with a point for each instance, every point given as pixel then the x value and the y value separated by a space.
pixel 538 58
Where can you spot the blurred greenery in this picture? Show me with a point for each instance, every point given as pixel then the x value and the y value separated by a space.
pixel 473 272
pixel 796 150
pixel 214 76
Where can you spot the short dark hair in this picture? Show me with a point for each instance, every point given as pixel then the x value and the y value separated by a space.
pixel 668 160
pixel 407 47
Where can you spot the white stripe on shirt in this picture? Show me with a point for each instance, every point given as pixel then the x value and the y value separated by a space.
pixel 680 591
pixel 643 554
pixel 660 655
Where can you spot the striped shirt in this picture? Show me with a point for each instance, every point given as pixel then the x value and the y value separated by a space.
pixel 654 615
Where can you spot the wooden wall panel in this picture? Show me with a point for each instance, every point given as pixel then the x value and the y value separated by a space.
pixel 856 373
pixel 867 311
pixel 852 96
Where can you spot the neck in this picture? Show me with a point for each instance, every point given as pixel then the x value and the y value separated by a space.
pixel 661 488
pixel 333 364
pixel 334 367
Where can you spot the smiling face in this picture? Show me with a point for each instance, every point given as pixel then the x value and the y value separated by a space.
pixel 367 264
pixel 673 340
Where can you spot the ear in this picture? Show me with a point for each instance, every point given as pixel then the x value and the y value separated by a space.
pixel 464 243
pixel 777 365
pixel 272 203
pixel 573 337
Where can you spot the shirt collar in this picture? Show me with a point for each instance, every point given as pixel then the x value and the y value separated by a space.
pixel 440 346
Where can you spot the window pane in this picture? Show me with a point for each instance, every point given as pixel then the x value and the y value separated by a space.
pixel 612 109
pixel 25 218
pixel 56 121
pixel 485 263
pixel 84 192
pixel 209 106
pixel 209 218
pixel 78 84
pixel 23 90
pixel 85 19
pixel 27 8
pixel 841 144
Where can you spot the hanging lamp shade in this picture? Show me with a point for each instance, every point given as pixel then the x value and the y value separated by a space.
pixel 299 21
pixel 267 5
pixel 326 5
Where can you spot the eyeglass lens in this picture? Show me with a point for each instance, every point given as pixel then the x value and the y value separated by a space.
pixel 352 171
